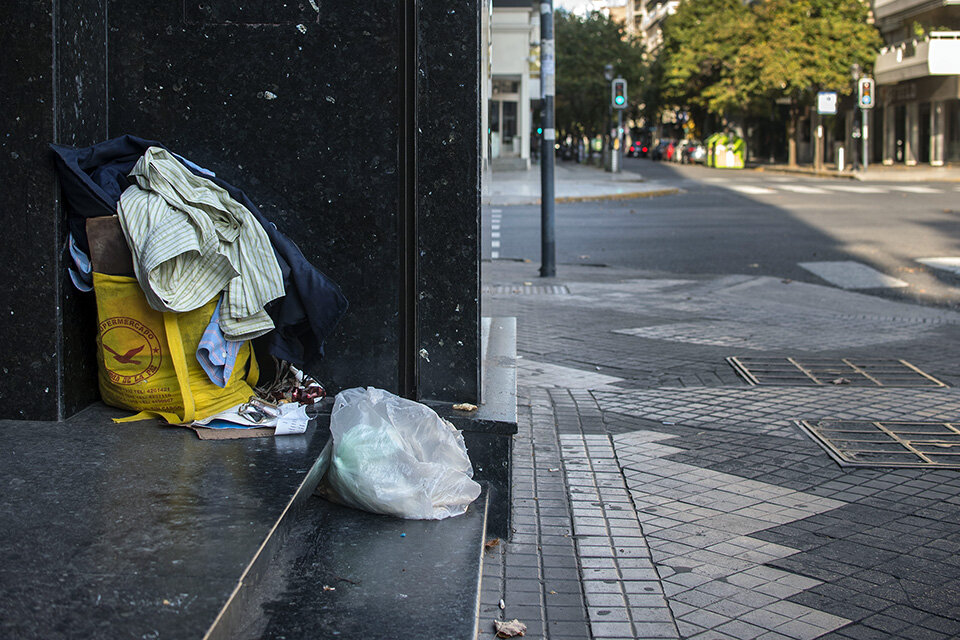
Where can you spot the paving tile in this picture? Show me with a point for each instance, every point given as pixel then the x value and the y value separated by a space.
pixel 654 630
pixel 651 614
pixel 706 619
pixel 609 614
pixel 611 630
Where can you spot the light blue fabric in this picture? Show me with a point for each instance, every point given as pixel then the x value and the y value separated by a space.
pixel 82 276
pixel 215 353
pixel 78 281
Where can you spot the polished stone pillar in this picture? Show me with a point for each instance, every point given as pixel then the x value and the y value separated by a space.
pixel 938 124
pixel 912 143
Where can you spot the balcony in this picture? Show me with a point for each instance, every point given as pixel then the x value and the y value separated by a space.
pixel 883 9
pixel 937 55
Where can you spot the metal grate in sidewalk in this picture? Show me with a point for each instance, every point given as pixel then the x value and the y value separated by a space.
pixel 856 372
pixel 887 443
pixel 526 289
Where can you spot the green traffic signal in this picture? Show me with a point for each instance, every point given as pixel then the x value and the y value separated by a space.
pixel 619 99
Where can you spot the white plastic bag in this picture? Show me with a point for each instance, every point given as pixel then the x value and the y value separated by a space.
pixel 397 457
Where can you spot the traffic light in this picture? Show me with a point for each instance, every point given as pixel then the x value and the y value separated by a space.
pixel 865 91
pixel 619 93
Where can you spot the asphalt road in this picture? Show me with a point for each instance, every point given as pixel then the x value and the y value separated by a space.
pixel 745 222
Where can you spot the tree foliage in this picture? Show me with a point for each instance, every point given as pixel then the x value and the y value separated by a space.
pixel 804 46
pixel 700 54
pixel 584 45
pixel 728 56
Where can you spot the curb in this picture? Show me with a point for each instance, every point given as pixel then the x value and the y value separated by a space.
pixel 807 172
pixel 654 193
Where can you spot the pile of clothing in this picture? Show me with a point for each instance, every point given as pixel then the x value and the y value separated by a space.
pixel 187 272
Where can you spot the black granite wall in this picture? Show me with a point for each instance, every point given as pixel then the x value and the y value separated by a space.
pixel 302 105
pixel 52 75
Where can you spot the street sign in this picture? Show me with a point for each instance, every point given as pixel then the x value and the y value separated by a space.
pixel 865 93
pixel 618 94
pixel 827 103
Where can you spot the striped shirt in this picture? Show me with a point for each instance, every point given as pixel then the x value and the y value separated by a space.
pixel 190 240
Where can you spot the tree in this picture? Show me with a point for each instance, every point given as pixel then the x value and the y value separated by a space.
pixel 584 45
pixel 805 46
pixel 723 56
pixel 699 55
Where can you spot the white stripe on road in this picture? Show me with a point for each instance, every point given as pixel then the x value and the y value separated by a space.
pixel 750 190
pixel 494 234
pixel 494 255
pixel 913 189
pixel 800 188
pixel 852 275
pixel 853 188
pixel 495 244
pixel 496 210
pixel 947 264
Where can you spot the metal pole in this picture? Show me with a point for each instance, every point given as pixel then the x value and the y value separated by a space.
pixel 864 132
pixel 818 146
pixel 548 242
pixel 619 149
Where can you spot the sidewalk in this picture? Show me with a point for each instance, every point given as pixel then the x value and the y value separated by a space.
pixel 572 183
pixel 658 495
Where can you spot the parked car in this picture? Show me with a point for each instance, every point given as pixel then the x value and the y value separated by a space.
pixel 664 150
pixel 638 150
pixel 696 153
pixel 691 151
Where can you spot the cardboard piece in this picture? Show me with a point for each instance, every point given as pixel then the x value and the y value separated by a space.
pixel 109 253
pixel 232 434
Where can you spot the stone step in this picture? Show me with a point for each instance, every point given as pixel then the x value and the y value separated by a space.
pixel 349 574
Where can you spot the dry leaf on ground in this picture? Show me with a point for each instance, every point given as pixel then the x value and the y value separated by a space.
pixel 510 629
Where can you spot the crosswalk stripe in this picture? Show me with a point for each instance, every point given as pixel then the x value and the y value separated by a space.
pixel 848 274
pixel 947 264
pixel 750 190
pixel 914 189
pixel 800 188
pixel 854 188
pixel 770 188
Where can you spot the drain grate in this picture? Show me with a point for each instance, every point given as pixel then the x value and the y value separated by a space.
pixel 526 289
pixel 839 371
pixel 887 443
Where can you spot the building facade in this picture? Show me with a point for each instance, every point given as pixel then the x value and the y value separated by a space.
pixel 511 82
pixel 917 118
pixel 645 18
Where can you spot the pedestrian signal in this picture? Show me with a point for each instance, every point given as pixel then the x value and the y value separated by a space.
pixel 619 93
pixel 865 93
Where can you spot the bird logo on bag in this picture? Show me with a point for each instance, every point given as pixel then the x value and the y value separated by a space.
pixel 135 354
pixel 126 358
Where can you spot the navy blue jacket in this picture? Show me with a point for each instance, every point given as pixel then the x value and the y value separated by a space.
pixel 92 179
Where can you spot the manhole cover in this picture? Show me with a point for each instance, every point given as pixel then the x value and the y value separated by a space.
pixel 526 289
pixel 838 371
pixel 887 443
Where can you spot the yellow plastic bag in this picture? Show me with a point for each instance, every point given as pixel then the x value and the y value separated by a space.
pixel 147 359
